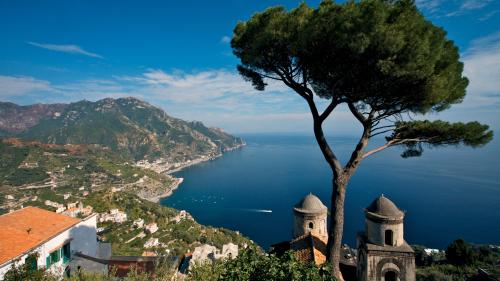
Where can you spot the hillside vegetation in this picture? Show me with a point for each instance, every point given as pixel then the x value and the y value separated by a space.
pixel 28 168
pixel 129 126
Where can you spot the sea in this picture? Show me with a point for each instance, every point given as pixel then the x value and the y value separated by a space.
pixel 447 193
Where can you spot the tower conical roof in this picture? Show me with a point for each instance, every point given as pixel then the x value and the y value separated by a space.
pixel 382 207
pixel 310 204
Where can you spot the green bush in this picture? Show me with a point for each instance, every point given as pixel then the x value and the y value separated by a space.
pixel 460 253
pixel 163 272
pixel 250 265
pixel 27 271
pixel 24 176
pixel 445 272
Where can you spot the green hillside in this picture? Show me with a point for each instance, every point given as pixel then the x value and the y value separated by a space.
pixel 129 126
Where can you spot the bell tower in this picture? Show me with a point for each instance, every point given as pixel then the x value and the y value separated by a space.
pixel 383 254
pixel 310 216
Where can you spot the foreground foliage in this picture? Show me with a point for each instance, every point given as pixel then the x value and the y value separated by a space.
pixel 461 263
pixel 252 266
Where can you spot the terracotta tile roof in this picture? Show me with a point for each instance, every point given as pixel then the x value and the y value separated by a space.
pixel 302 247
pixel 319 249
pixel 25 229
pixel 309 248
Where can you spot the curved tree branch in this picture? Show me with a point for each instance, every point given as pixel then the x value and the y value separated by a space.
pixel 306 93
pixel 395 142
pixel 330 157
pixel 356 113
pixel 357 154
pixel 328 110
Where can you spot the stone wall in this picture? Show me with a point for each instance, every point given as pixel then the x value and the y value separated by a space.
pixel 376 232
pixel 301 224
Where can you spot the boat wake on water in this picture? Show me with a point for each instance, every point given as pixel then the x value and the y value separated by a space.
pixel 257 210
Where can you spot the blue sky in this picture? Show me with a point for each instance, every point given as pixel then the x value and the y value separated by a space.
pixel 176 55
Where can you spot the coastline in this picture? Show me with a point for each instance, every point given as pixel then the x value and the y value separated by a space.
pixel 204 159
pixel 172 188
pixel 178 181
pixel 192 163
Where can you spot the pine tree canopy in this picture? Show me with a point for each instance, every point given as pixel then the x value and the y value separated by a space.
pixel 380 57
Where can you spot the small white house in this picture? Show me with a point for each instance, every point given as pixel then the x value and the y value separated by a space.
pixel 114 215
pixel 151 243
pixel 44 239
pixel 208 253
pixel 151 227
pixel 138 223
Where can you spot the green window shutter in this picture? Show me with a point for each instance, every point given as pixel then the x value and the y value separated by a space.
pixel 31 262
pixel 58 255
pixel 47 262
pixel 66 252
pixel 55 256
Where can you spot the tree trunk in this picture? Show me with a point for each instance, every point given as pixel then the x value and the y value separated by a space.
pixel 336 228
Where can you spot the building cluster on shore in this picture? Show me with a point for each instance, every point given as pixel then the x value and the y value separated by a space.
pixel 163 165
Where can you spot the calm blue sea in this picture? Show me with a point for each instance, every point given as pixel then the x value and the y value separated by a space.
pixel 447 193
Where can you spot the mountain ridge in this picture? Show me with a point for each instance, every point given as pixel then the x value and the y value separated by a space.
pixel 128 125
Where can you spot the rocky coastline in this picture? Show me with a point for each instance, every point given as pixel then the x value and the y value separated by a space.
pixel 157 197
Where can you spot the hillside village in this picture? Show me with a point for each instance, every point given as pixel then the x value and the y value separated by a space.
pixel 114 197
pixel 63 244
pixel 73 183
pixel 109 192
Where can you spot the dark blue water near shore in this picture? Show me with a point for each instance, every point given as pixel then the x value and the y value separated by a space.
pixel 446 193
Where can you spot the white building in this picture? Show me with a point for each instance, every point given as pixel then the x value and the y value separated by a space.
pixel 78 210
pixel 151 227
pixel 114 215
pixel 202 254
pixel 53 204
pixel 151 243
pixel 183 215
pixel 430 251
pixel 139 223
pixel 44 239
pixel 60 209
pixel 208 253
pixel 229 251
pixel 72 205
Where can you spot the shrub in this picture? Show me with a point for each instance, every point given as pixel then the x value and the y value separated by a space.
pixel 460 253
pixel 250 265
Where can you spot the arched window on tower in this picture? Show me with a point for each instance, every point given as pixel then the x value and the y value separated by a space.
pixel 311 225
pixel 389 237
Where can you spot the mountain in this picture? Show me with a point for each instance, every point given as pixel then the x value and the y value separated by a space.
pixel 126 125
pixel 15 118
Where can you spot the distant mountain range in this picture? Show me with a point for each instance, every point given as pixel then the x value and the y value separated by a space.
pixel 128 126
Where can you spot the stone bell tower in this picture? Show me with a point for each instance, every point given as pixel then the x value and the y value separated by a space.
pixel 309 216
pixel 383 254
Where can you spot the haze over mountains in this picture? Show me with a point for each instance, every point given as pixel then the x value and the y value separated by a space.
pixel 129 126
